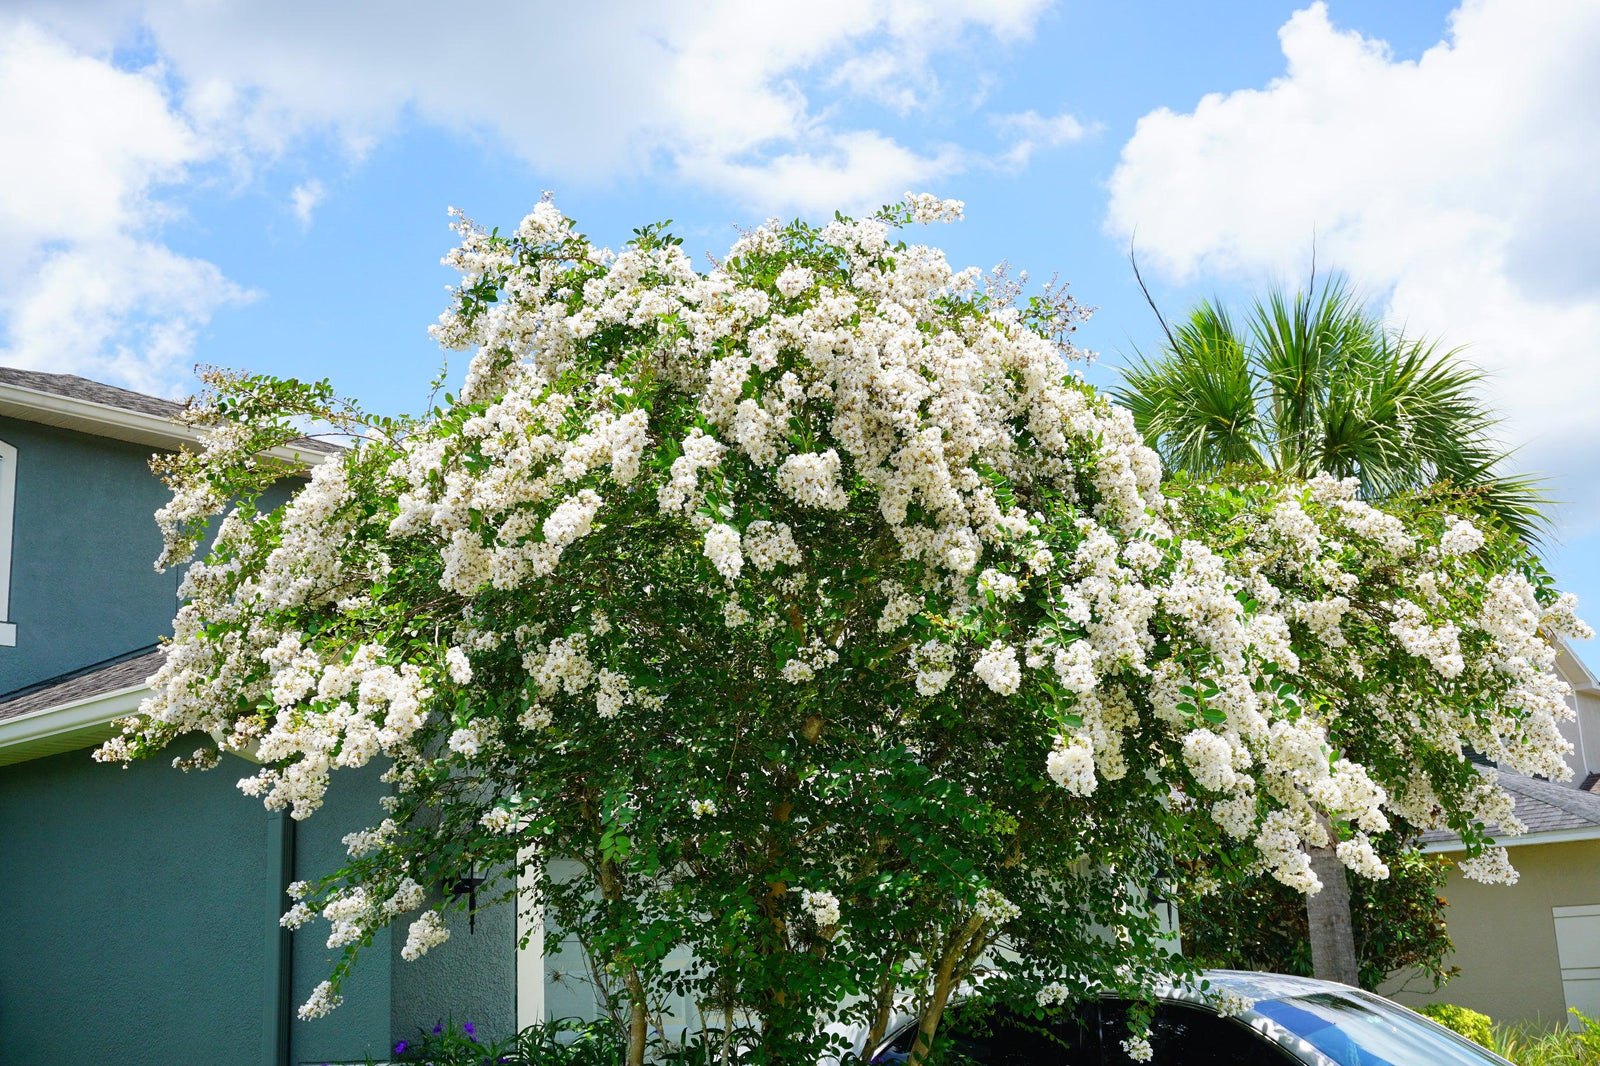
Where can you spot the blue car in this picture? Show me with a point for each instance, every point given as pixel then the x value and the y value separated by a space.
pixel 1291 1021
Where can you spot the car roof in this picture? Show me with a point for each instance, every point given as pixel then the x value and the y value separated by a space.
pixel 1255 985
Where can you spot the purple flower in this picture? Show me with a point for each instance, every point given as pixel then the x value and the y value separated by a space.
pixel 470 1030
pixel 438 1028
pixel 400 1048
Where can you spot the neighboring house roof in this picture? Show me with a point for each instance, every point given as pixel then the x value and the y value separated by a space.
pixel 72 402
pixel 74 710
pixel 1551 812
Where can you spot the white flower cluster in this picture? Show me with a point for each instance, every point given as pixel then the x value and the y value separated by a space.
pixel 1138 1048
pixel 1358 855
pixel 426 933
pixel 498 820
pixel 926 207
pixel 458 666
pixel 1071 765
pixel 1231 1004
pixel 1054 994
pixel 994 908
pixel 321 1002
pixel 805 664
pixel 998 668
pixel 821 907
pixel 1462 538
pixel 1493 867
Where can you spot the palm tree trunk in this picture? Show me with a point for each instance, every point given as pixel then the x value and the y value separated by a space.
pixel 1333 938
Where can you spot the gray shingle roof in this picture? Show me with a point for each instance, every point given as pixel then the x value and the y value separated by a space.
pixel 122 672
pixel 95 392
pixel 76 388
pixel 1543 806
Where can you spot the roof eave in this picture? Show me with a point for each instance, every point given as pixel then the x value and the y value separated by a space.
pixel 67 726
pixel 120 423
pixel 1553 836
pixel 1579 676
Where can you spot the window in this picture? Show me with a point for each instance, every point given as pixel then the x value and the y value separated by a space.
pixel 1181 1035
pixel 982 1034
pixel 1359 1029
pixel 8 499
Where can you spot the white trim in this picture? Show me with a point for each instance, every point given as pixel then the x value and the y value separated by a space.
pixel 119 423
pixel 68 717
pixel 1585 682
pixel 530 959
pixel 1588 911
pixel 1555 836
pixel 8 506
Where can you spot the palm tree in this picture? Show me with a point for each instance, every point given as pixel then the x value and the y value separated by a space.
pixel 1316 382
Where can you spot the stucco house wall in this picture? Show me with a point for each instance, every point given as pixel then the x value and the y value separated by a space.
pixel 82 585
pixel 1505 935
pixel 140 905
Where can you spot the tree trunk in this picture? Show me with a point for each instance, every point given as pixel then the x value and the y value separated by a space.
pixel 946 978
pixel 638 1017
pixel 1333 939
pixel 882 1009
pixel 637 1029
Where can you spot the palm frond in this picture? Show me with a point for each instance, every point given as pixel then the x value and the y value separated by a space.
pixel 1197 405
pixel 1317 382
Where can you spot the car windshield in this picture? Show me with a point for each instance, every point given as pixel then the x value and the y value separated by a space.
pixel 1363 1031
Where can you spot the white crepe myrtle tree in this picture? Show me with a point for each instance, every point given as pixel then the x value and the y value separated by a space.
pixel 835 631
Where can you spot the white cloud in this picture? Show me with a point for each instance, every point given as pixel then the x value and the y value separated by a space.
pixel 1462 183
pixel 304 198
pixel 84 287
pixel 768 104
pixel 703 91
pixel 1028 131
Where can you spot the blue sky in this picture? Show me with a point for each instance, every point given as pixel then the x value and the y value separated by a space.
pixel 264 186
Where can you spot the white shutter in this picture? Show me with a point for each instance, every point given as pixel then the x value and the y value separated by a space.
pixel 1578 946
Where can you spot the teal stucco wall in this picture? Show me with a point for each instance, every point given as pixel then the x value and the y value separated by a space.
pixel 360 1026
pixel 134 905
pixel 83 583
pixel 132 914
pixel 470 977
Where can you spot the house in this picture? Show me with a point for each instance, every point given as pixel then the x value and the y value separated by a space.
pixel 141 905
pixel 1530 951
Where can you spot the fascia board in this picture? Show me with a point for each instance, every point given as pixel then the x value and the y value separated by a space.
pixel 119 423
pixel 50 730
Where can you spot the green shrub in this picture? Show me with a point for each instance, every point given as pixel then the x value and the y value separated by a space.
pixel 562 1042
pixel 1478 1028
pixel 1589 1038
pixel 1531 1045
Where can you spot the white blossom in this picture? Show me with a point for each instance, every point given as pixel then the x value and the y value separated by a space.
pixel 998 668
pixel 821 906
pixel 426 933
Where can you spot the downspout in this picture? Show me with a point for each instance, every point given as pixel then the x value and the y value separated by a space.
pixel 279 1003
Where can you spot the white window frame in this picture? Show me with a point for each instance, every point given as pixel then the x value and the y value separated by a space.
pixel 8 502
